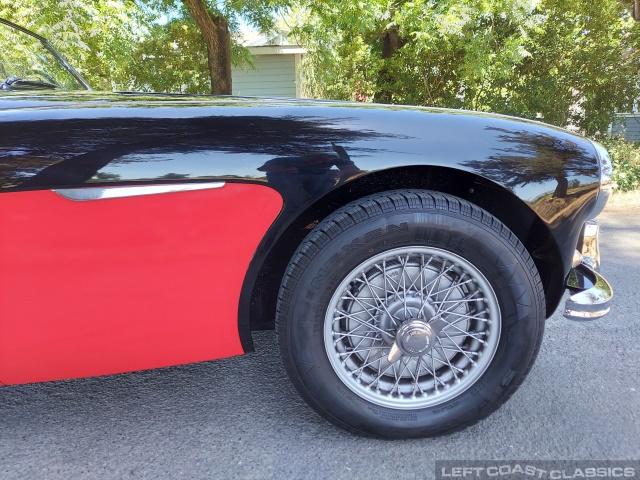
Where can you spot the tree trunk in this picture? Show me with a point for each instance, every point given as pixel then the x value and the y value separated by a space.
pixel 391 43
pixel 563 187
pixel 215 30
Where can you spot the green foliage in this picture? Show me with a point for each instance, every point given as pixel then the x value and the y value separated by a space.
pixel 257 13
pixel 453 53
pixel 24 57
pixel 567 62
pixel 625 157
pixel 171 58
pixel 95 35
pixel 583 64
pixel 148 45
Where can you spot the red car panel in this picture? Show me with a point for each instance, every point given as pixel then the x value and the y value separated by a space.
pixel 115 285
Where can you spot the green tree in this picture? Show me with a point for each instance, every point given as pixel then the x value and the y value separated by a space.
pixel 160 45
pixel 218 24
pixel 564 61
pixel 583 64
pixel 172 57
pixel 444 53
pixel 97 36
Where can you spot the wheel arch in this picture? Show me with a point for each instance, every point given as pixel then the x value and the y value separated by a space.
pixel 258 303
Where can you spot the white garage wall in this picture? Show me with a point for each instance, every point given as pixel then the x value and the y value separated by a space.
pixel 275 76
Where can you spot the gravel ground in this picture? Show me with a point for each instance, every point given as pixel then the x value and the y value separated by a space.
pixel 240 417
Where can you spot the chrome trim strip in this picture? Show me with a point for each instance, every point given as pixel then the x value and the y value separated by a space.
pixel 103 193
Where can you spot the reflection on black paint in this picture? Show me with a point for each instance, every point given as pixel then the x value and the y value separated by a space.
pixel 78 169
pixel 306 177
pixel 55 153
pixel 526 157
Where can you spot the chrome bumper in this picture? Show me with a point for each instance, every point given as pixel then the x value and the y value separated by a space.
pixel 591 297
pixel 591 293
pixel 591 244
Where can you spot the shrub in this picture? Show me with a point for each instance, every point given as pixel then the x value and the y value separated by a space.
pixel 625 157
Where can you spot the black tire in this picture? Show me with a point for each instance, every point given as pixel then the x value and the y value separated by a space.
pixel 350 262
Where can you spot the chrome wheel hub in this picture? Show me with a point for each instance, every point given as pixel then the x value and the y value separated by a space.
pixel 415 338
pixel 412 327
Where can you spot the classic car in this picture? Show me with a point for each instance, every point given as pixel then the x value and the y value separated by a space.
pixel 407 257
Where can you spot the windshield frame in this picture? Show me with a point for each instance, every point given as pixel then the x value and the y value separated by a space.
pixel 45 43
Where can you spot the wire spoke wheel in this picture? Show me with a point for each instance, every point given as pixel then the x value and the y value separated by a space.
pixel 409 313
pixel 412 327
